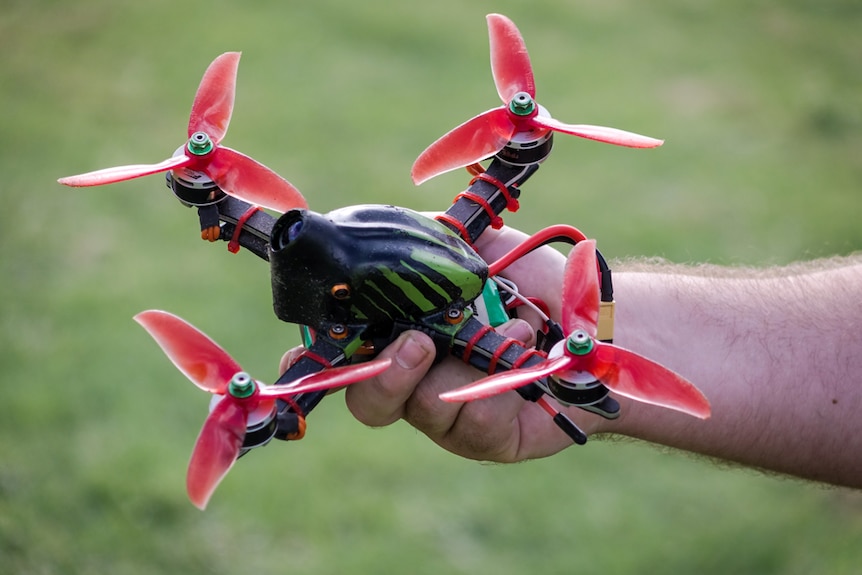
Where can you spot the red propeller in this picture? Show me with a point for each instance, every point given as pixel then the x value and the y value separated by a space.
pixel 622 371
pixel 234 173
pixel 242 400
pixel 487 133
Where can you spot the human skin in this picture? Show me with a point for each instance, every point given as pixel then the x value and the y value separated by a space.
pixel 778 353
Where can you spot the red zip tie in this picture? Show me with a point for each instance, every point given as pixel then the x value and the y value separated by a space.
pixel 447 219
pixel 233 244
pixel 468 349
pixel 496 221
pixel 511 203
pixel 501 349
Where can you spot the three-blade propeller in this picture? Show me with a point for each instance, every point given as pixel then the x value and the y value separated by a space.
pixel 234 173
pixel 242 399
pixel 624 372
pixel 489 132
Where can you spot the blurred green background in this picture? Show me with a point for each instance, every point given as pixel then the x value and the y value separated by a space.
pixel 761 106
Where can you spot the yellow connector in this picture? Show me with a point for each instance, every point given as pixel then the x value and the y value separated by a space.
pixel 606 321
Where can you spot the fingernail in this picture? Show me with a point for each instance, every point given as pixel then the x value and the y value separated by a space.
pixel 519 330
pixel 411 353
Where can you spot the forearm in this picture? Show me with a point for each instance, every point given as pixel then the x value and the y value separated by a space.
pixel 778 357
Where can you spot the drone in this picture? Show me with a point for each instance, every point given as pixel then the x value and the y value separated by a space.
pixel 357 277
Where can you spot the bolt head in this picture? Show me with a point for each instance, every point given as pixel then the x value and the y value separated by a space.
pixel 241 385
pixel 340 291
pixel 579 343
pixel 522 104
pixel 200 144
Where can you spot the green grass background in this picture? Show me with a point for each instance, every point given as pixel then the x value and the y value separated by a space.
pixel 761 106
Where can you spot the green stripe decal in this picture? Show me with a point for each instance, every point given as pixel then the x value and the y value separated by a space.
pixel 462 282
pixel 409 290
pixel 383 298
pixel 430 283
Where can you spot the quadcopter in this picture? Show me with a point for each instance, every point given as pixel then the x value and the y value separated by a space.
pixel 357 277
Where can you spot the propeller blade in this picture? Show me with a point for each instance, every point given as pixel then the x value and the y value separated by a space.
pixel 201 359
pixel 581 289
pixel 215 451
pixel 471 142
pixel 639 378
pixel 510 63
pixel 599 133
pixel 123 173
pixel 506 381
pixel 249 180
pixel 328 379
pixel 213 103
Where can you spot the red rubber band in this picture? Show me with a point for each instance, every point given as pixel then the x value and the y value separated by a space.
pixel 468 349
pixel 295 406
pixel 233 244
pixel 315 358
pixel 530 353
pixel 501 349
pixel 459 227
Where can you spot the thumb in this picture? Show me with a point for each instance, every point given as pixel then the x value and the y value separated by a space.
pixel 380 400
pixel 520 330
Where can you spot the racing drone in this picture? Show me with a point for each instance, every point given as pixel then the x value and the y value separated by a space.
pixel 355 278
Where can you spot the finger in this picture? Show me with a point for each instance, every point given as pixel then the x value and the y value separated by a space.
pixel 520 330
pixel 289 357
pixel 538 274
pixel 484 430
pixel 380 400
